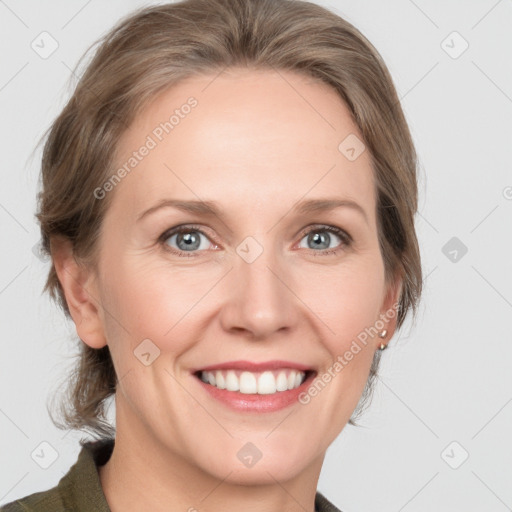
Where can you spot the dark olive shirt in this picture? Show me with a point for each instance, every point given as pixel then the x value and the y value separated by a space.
pixel 80 488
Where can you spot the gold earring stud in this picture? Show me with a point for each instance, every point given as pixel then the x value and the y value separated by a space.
pixel 383 334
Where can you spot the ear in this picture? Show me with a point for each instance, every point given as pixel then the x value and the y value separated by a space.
pixel 389 310
pixel 79 286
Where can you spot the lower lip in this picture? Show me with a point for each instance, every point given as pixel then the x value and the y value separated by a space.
pixel 242 402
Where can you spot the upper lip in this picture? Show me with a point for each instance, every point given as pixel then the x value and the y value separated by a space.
pixel 255 367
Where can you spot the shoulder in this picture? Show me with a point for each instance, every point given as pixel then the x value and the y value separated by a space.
pixel 49 500
pixel 79 489
pixel 322 504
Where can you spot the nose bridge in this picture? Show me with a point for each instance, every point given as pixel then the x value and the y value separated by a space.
pixel 259 300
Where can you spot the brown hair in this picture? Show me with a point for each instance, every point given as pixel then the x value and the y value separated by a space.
pixel 156 47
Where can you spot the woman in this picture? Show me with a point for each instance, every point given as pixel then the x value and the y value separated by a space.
pixel 228 200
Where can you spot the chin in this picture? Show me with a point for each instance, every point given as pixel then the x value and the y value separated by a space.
pixel 251 466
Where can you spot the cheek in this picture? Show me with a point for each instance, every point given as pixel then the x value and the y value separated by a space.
pixel 348 305
pixel 148 299
pixel 347 299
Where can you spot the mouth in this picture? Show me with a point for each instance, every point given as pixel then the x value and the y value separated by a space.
pixel 255 378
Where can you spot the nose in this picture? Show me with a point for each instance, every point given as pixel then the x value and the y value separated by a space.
pixel 259 297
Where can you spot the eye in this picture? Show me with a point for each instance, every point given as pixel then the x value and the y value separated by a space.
pixel 320 237
pixel 187 239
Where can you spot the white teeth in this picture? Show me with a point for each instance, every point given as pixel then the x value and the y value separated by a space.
pixel 232 383
pixel 265 383
pixel 248 383
pixel 282 381
pixel 219 380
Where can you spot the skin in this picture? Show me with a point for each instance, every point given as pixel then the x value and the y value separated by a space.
pixel 256 146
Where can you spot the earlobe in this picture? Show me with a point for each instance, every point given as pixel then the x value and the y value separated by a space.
pixel 82 298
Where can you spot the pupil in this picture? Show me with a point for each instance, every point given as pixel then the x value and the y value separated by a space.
pixel 191 241
pixel 323 239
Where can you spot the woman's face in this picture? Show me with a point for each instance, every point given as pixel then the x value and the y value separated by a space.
pixel 257 277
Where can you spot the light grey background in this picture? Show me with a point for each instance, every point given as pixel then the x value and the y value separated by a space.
pixel 445 379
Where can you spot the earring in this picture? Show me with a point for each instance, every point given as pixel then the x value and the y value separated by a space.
pixel 382 334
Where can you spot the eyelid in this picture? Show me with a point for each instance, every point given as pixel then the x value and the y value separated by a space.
pixel 342 233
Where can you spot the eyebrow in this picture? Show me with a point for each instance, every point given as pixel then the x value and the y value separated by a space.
pixel 211 208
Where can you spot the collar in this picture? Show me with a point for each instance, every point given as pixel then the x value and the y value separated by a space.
pixel 82 482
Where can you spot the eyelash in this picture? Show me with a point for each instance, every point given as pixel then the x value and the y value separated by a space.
pixel 346 239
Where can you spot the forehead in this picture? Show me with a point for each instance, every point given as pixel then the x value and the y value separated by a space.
pixel 244 133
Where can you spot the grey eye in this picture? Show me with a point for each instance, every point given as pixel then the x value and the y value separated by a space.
pixel 188 240
pixel 320 239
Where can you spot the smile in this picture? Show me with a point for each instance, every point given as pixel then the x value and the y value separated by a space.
pixel 255 387
pixel 246 382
